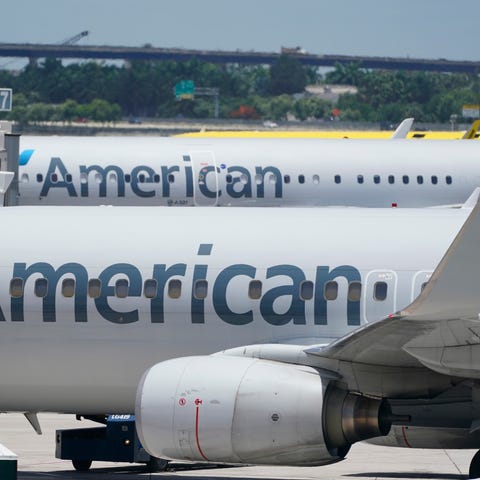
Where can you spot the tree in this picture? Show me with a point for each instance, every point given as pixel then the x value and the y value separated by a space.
pixel 280 106
pixel 102 111
pixel 287 75
pixel 346 74
pixel 69 111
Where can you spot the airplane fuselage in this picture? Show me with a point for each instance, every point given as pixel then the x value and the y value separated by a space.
pixel 245 172
pixel 92 297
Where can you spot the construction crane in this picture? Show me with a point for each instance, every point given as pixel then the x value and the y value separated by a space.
pixel 75 38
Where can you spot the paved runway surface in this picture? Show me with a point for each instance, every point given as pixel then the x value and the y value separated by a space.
pixel 36 460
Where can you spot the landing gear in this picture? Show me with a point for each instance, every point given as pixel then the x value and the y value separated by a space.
pixel 156 465
pixel 81 465
pixel 474 471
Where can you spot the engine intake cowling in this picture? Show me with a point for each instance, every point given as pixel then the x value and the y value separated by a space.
pixel 239 410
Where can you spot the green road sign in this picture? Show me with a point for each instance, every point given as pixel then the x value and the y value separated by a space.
pixel 184 90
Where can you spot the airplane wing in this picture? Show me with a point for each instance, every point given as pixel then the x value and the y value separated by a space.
pixel 439 330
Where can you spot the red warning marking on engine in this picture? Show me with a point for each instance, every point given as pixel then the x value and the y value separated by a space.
pixel 198 402
pixel 182 401
pixel 404 433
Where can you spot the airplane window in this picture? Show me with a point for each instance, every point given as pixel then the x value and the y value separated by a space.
pixel 121 288
pixel 54 177
pixel 112 178
pixel 301 179
pixel 171 178
pixel 94 288
pixel 306 290
pixel 286 178
pixel 354 291
pixel 39 178
pixel 83 177
pixel 141 178
pixel 24 178
pixel 150 288
pixel 16 287
pixel 127 178
pixel 200 289
pixel 424 284
pixel 391 179
pixel 156 178
pixel 243 179
pixel 41 287
pixel 272 178
pixel 330 290
pixel 228 178
pixel 419 179
pixel 98 178
pixel 174 288
pixel 380 291
pixel 434 179
pixel 255 289
pixel 68 177
pixel 338 179
pixel 68 287
pixel 258 179
pixel 448 180
pixel 405 179
pixel 360 178
pixel 376 179
pixel 316 179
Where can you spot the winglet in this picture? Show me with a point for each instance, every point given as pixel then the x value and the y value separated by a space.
pixel 472 131
pixel 472 200
pixel 403 129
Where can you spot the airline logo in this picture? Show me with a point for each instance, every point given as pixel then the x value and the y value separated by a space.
pixel 196 283
pixel 144 181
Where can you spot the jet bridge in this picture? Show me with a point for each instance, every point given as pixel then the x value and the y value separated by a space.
pixel 9 151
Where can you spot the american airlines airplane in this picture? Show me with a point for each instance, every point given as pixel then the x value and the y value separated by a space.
pixel 266 337
pixel 245 172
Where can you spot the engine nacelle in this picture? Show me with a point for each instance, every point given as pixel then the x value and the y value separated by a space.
pixel 226 409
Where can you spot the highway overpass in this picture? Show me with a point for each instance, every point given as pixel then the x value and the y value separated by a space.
pixel 32 51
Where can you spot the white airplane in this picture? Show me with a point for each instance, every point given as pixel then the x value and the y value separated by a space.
pixel 260 172
pixel 266 337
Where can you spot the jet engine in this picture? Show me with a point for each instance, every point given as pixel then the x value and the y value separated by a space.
pixel 226 409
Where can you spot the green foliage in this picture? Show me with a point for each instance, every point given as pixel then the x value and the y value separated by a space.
pixel 311 107
pixel 348 74
pixel 391 96
pixel 105 93
pixel 287 75
pixel 280 106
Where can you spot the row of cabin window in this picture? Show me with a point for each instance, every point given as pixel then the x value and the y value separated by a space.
pixel 434 179
pixel 142 178
pixel 405 179
pixel 200 289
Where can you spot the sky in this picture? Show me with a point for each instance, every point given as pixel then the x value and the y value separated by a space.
pixel 401 28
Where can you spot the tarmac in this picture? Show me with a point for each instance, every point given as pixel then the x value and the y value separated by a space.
pixel 36 460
